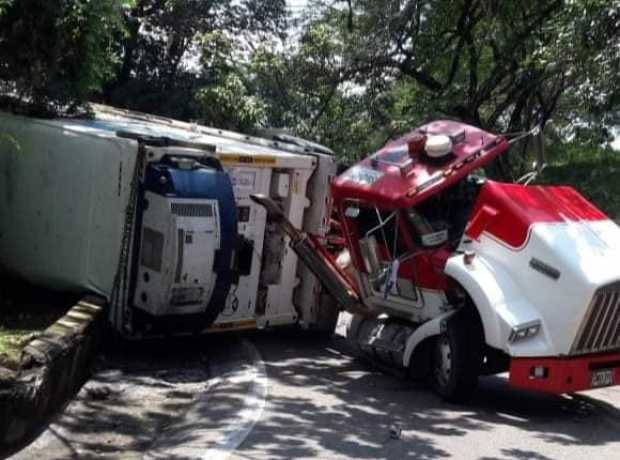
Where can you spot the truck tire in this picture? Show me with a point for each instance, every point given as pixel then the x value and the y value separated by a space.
pixel 457 358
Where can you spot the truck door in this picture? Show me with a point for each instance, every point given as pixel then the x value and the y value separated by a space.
pixel 381 251
pixel 399 274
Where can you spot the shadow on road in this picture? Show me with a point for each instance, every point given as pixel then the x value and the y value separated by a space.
pixel 135 392
pixel 339 404
pixel 321 400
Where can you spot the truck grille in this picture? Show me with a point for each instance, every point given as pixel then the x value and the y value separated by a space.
pixel 600 330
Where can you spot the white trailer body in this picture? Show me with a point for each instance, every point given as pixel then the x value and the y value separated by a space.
pixel 76 215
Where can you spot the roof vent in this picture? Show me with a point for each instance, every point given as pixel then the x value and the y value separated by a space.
pixel 438 146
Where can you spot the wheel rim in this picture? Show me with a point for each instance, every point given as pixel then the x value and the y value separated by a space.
pixel 443 361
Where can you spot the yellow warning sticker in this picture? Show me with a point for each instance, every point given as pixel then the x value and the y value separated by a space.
pixel 255 160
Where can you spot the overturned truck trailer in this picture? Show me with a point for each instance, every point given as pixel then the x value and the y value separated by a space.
pixel 155 215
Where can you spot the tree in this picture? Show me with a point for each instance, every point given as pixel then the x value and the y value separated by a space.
pixel 470 59
pixel 504 66
pixel 350 74
pixel 306 90
pixel 589 107
pixel 163 55
pixel 55 53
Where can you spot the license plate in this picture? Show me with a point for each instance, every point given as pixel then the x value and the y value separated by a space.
pixel 602 378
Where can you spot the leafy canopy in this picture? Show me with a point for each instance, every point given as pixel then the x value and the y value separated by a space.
pixel 55 53
pixel 348 73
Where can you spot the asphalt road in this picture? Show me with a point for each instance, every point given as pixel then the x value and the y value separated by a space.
pixel 322 403
pixel 288 395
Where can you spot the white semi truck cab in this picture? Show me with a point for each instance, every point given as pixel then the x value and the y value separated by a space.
pixel 452 276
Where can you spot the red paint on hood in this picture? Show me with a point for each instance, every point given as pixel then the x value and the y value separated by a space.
pixel 519 207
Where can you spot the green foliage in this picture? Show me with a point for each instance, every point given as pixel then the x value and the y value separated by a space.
pixel 589 36
pixel 470 59
pixel 175 50
pixel 55 53
pixel 24 318
pixel 307 91
pixel 593 171
pixel 224 98
pixel 349 73
pixel 12 341
pixel 229 105
pixel 365 71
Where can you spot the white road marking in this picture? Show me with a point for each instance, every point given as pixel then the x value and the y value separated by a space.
pixel 195 437
pixel 253 406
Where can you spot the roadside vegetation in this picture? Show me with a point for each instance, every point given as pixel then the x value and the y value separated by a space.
pixel 594 171
pixel 25 312
pixel 12 341
pixel 350 74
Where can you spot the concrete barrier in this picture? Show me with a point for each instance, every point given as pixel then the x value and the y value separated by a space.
pixel 52 369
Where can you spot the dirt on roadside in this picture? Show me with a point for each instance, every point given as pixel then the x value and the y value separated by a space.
pixel 26 311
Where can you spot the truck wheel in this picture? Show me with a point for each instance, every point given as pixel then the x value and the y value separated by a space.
pixel 457 359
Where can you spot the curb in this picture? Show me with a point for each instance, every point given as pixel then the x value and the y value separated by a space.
pixel 52 368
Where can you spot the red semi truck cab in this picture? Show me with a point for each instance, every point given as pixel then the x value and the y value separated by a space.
pixel 459 276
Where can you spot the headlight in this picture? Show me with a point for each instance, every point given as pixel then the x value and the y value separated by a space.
pixel 524 331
